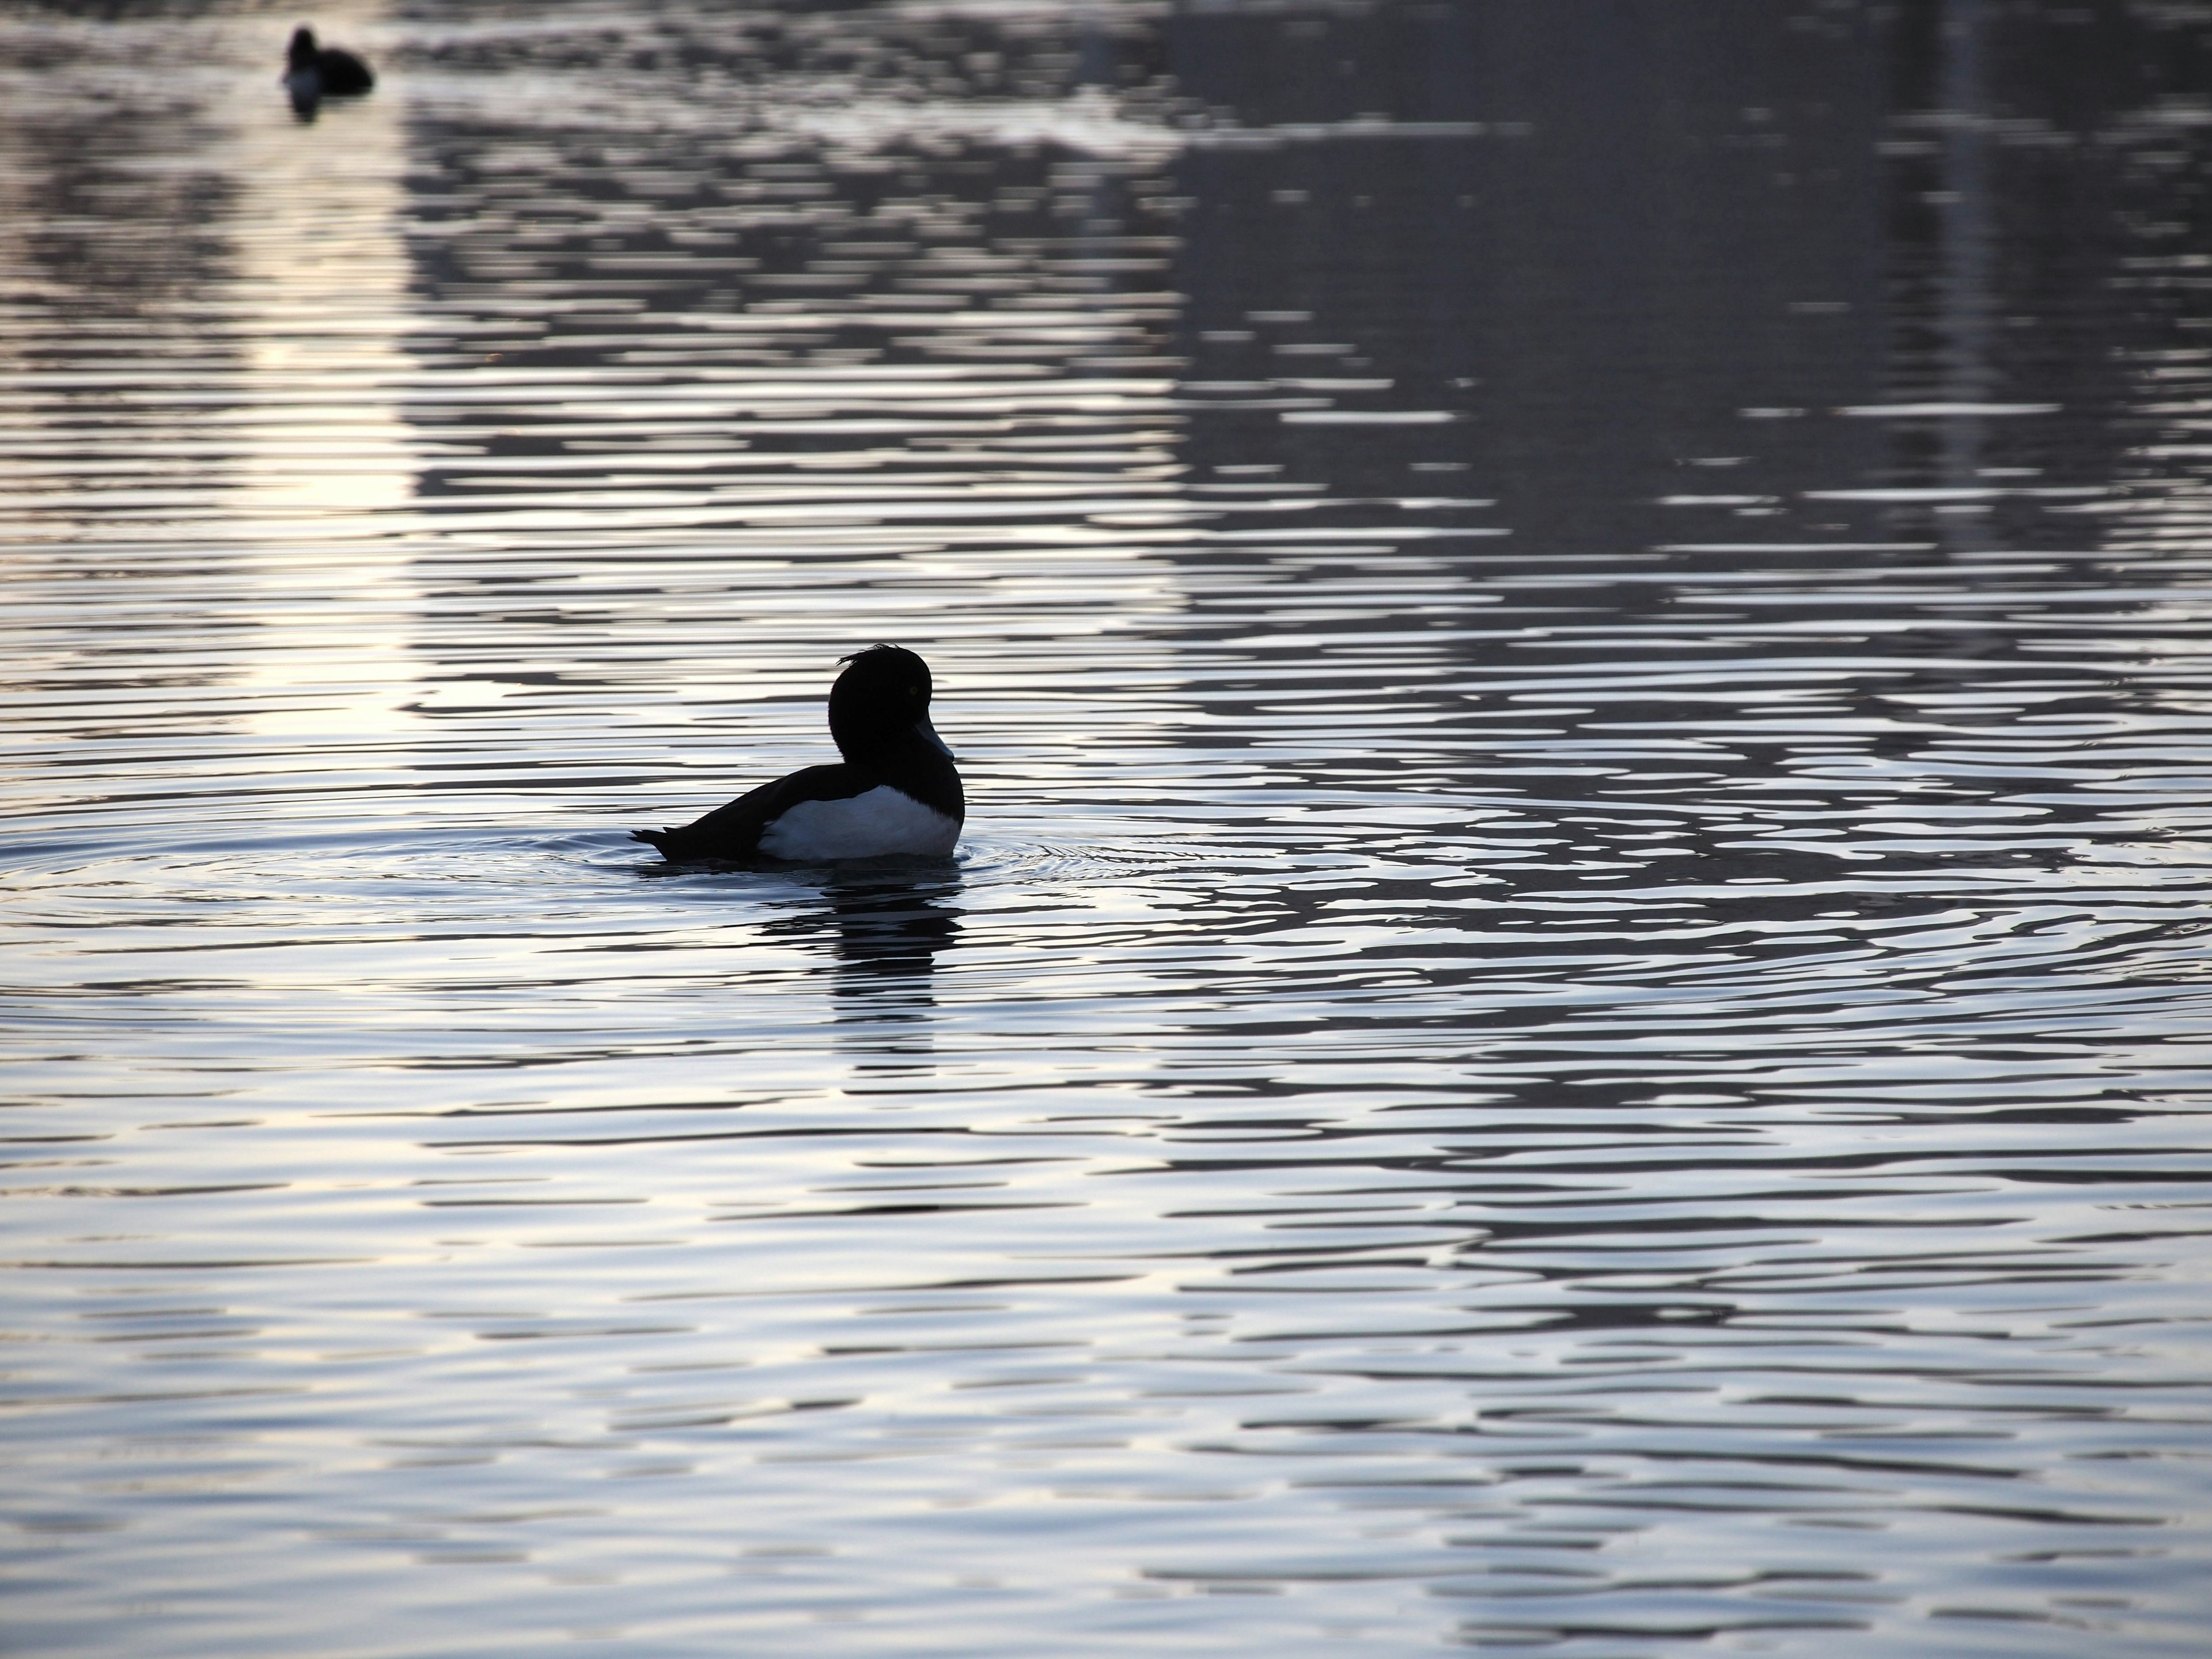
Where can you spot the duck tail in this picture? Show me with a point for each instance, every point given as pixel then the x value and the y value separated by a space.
pixel 656 838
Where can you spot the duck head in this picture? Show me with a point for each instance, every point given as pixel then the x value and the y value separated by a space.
pixel 880 702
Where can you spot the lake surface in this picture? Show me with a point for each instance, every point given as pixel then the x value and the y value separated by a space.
pixel 1574 1015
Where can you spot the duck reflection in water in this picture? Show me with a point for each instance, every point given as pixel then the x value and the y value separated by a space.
pixel 884 929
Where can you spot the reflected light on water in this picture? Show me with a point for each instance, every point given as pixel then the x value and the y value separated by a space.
pixel 319 306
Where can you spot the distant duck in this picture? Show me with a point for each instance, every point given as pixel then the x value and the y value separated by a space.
pixel 897 791
pixel 313 73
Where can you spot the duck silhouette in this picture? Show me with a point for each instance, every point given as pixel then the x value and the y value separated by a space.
pixel 313 73
pixel 895 793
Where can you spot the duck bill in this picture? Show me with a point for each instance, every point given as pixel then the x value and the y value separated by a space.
pixel 936 742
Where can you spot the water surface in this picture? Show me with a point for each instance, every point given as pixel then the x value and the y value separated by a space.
pixel 1573 1013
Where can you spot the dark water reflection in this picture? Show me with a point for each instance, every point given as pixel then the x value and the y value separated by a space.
pixel 889 930
pixel 1573 1016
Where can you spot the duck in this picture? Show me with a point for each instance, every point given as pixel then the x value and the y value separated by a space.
pixel 313 72
pixel 896 791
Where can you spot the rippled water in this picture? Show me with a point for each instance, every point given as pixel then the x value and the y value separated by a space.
pixel 1574 1015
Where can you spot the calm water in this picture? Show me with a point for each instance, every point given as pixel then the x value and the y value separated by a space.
pixel 1574 1014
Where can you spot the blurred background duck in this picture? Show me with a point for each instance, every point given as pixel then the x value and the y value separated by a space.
pixel 313 73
